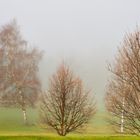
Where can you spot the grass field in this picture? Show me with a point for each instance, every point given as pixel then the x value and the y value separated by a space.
pixel 12 128
pixel 11 122
pixel 68 138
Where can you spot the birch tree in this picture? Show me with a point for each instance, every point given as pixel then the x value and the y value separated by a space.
pixel 20 84
pixel 123 92
pixel 66 106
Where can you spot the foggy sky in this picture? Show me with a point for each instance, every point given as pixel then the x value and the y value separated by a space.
pixel 83 33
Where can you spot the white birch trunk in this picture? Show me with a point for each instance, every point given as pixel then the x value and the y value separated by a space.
pixel 25 116
pixel 122 118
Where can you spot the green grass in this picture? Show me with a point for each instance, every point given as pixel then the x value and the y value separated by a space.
pixel 11 123
pixel 12 128
pixel 11 120
pixel 68 138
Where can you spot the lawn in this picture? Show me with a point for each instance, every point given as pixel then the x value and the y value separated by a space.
pixel 11 122
pixel 12 128
pixel 68 138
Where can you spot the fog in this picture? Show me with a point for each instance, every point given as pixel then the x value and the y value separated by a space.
pixel 83 33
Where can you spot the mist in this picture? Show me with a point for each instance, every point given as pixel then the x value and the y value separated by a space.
pixel 85 34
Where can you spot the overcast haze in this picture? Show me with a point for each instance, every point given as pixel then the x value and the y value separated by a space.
pixel 84 33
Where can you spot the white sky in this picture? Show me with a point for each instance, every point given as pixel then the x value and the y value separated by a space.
pixel 85 33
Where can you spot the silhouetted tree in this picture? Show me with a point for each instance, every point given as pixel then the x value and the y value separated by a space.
pixel 66 105
pixel 123 93
pixel 19 84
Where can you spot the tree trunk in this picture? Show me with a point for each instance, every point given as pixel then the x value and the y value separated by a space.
pixel 61 132
pixel 24 116
pixel 122 118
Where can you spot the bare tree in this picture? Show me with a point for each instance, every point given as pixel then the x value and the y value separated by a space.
pixel 66 105
pixel 123 93
pixel 20 84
